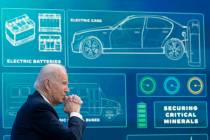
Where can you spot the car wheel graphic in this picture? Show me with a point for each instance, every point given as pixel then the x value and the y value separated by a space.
pixel 91 47
pixel 109 114
pixel 174 49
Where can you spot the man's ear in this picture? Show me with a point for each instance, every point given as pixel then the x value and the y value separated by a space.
pixel 47 84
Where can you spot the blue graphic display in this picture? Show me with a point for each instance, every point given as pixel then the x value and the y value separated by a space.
pixel 33 37
pixel 140 67
pixel 185 114
pixel 15 90
pixel 7 137
pixel 169 137
pixel 103 106
pixel 104 102
pixel 163 39
pixel 171 85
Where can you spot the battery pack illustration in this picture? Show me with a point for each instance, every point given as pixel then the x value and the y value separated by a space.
pixel 20 30
pixel 141 115
pixel 50 43
pixel 49 22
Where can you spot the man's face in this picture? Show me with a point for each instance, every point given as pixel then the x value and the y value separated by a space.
pixel 59 88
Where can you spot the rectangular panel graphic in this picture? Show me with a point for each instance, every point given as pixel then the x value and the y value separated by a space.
pixel 104 102
pixel 105 39
pixel 171 85
pixel 168 137
pixel 15 90
pixel 33 38
pixel 104 97
pixel 183 114
pixel 6 137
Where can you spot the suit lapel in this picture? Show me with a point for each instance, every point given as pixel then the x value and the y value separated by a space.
pixel 36 95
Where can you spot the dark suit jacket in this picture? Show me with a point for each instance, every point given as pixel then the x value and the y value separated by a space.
pixel 37 120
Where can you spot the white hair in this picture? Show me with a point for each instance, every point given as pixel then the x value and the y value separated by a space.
pixel 49 71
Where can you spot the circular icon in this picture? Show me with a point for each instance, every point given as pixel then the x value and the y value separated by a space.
pixel 147 85
pixel 195 85
pixel 174 49
pixel 91 47
pixel 171 85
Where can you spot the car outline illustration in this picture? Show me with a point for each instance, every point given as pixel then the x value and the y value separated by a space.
pixel 171 38
pixel 96 104
pixel 17 94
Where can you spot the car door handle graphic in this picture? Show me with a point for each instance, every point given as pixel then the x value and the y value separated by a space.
pixel 165 31
pixel 136 32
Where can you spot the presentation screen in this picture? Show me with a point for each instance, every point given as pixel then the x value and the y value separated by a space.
pixel 140 67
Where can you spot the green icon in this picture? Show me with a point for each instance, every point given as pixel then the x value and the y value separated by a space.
pixel 147 85
pixel 141 115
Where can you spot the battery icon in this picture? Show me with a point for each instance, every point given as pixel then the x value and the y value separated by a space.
pixel 141 115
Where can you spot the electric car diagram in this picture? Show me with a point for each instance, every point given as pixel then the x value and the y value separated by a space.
pixel 147 34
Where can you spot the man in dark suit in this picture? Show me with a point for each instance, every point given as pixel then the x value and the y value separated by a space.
pixel 37 119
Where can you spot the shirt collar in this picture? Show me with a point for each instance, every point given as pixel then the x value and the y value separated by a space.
pixel 43 96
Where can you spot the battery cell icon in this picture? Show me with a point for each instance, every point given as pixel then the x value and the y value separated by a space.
pixel 20 30
pixel 50 43
pixel 49 22
pixel 141 115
